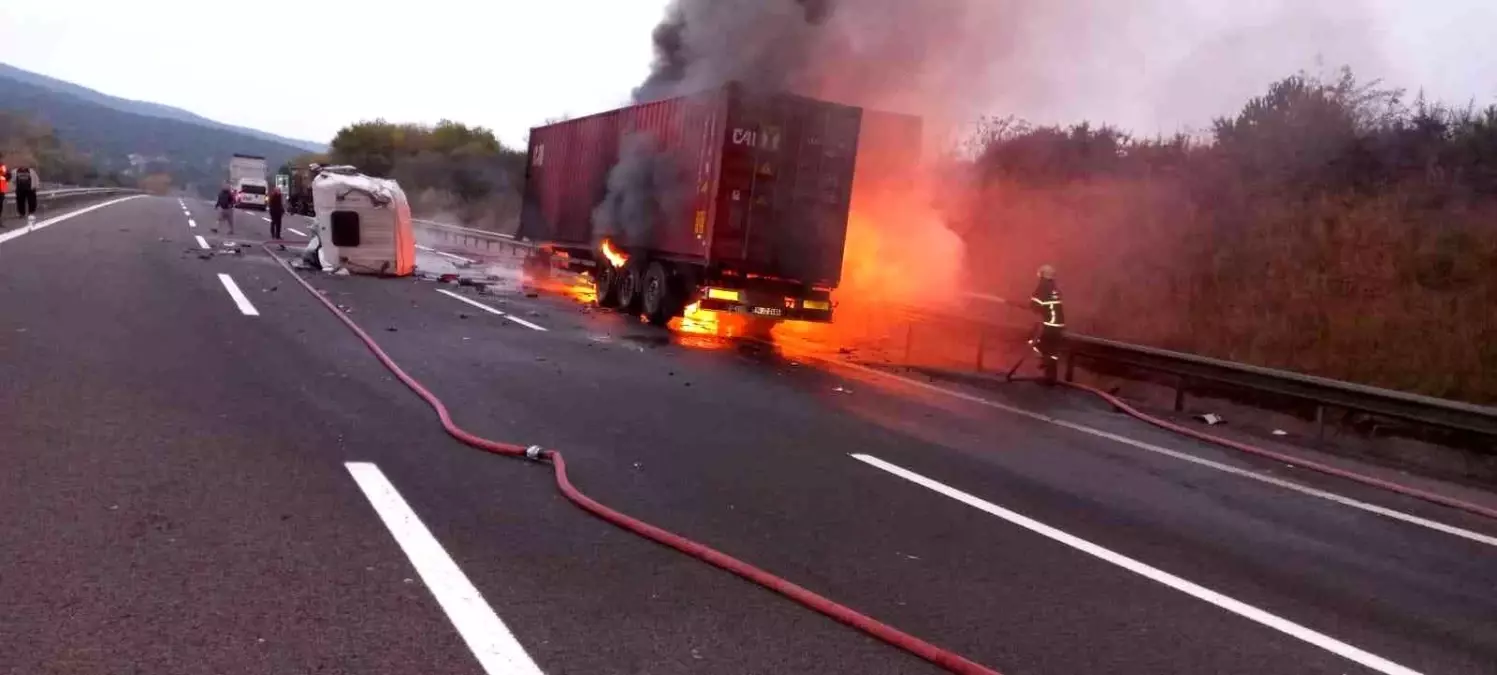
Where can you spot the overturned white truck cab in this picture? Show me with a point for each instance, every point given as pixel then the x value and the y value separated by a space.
pixel 363 224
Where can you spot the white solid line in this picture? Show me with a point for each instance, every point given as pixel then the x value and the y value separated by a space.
pixel 444 253
pixel 296 232
pixel 7 236
pixel 490 310
pixel 1237 607
pixel 524 323
pixel 203 243
pixel 192 223
pixel 490 640
pixel 238 296
pixel 1186 457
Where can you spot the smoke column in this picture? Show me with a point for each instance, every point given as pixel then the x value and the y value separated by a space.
pixel 1148 66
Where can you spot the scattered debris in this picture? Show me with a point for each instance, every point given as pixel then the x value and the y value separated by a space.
pixel 460 315
pixel 845 350
pixel 1211 419
pixel 392 329
pixel 1280 432
pixel 532 294
pixel 342 272
pixel 842 390
pixel 534 313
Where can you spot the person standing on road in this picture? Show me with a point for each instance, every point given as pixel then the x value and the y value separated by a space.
pixel 277 207
pixel 4 187
pixel 25 182
pixel 225 206
pixel 1051 330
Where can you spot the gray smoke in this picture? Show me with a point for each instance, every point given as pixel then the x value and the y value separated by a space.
pixel 1144 64
pixel 645 188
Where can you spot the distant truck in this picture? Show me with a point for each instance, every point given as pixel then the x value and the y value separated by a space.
pixel 299 191
pixel 725 200
pixel 248 179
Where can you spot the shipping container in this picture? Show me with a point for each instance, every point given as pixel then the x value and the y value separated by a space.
pixel 734 201
pixel 299 192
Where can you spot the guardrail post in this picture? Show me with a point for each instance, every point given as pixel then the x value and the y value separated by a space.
pixel 1070 366
pixel 1180 383
pixel 982 346
pixel 1319 424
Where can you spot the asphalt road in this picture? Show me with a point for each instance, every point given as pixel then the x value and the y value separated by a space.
pixel 199 479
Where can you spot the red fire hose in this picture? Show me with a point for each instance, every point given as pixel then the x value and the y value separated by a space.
pixel 1390 486
pixel 893 636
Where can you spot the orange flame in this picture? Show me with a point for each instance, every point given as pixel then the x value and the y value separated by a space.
pixel 615 256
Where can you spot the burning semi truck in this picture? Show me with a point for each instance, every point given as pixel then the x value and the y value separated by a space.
pixel 722 201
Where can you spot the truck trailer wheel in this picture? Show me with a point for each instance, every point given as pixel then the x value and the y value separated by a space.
pixel 631 286
pixel 607 285
pixel 662 297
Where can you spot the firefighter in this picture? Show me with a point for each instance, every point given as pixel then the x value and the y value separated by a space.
pixel 1051 329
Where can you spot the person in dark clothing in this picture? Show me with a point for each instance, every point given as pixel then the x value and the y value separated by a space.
pixel 25 182
pixel 1051 329
pixel 4 187
pixel 225 206
pixel 277 207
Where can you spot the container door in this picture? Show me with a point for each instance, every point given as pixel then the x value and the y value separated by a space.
pixel 787 184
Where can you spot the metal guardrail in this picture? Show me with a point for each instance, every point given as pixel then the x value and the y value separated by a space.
pixel 477 241
pixel 50 198
pixel 1190 371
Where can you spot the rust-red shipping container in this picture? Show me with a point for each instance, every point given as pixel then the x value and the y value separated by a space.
pixel 757 185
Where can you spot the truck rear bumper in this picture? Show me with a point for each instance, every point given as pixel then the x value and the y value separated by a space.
pixel 788 309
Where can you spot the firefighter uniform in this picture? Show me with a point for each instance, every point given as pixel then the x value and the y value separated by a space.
pixel 1050 332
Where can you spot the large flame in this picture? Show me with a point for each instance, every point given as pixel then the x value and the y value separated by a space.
pixel 615 256
pixel 698 321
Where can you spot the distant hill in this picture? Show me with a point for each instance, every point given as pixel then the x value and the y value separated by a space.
pixel 144 107
pixel 135 144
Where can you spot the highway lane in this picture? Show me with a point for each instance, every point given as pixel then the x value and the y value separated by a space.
pixel 177 491
pixel 170 504
pixel 1382 584
pixel 142 376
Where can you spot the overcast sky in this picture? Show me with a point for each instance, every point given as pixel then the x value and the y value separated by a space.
pixel 306 68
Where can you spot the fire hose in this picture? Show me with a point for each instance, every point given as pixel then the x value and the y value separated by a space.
pixel 890 635
pixel 1398 488
pixel 1318 467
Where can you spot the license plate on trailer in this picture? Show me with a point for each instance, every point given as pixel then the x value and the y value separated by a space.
pixel 769 311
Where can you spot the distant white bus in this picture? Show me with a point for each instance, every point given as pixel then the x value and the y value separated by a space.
pixel 247 176
pixel 251 194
